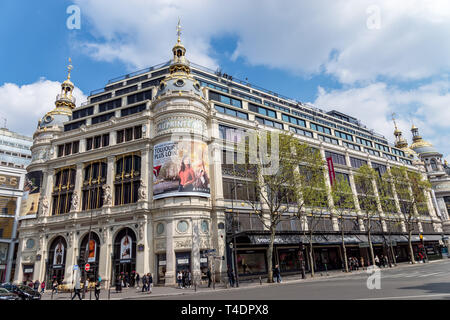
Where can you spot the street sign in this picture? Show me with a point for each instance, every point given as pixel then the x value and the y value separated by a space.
pixel 363 245
pixel 87 267
pixel 75 267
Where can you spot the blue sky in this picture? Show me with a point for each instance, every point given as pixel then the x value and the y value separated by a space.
pixel 364 58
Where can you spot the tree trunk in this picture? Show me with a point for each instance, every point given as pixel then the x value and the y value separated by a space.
pixel 372 256
pixel 393 254
pixel 345 252
pixel 269 255
pixel 411 252
pixel 311 258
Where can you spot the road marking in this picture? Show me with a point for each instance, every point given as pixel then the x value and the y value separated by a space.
pixel 408 297
pixel 430 274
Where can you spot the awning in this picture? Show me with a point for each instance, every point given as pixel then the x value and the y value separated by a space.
pixel 337 239
pixel 279 239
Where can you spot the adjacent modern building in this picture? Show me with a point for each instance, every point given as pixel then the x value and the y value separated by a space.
pixel 15 155
pixel 134 179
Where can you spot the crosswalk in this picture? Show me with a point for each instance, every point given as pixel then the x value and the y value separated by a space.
pixel 402 275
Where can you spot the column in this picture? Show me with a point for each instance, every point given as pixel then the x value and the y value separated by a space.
pixel 195 253
pixel 78 184
pixel 71 257
pixel 170 255
pixel 328 190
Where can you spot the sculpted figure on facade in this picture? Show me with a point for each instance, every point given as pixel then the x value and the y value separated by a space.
pixel 74 206
pixel 45 206
pixel 142 191
pixel 107 197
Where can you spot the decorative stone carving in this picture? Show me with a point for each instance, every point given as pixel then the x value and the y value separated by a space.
pixel 141 230
pixel 70 238
pixel 74 206
pixel 142 191
pixel 107 197
pixel 45 206
pixel 160 245
pixel 183 244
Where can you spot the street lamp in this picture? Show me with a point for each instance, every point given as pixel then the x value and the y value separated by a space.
pixel 233 189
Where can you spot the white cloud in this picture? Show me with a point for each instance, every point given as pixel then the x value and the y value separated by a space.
pixel 426 106
pixel 304 37
pixel 24 105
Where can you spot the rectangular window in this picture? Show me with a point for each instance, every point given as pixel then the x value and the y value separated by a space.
pixel 120 136
pixel 89 143
pixel 293 120
pixel 364 142
pixel 225 99
pixel 75 146
pixel 343 135
pixel 301 131
pixel 372 152
pixel 67 149
pixel 117 103
pixel 268 122
pixel 337 158
pixel 137 132
pixel 320 128
pixel 328 139
pixel 138 97
pixel 356 163
pixel 82 113
pixel 102 118
pixel 97 142
pixel 126 90
pixel 60 150
pixel 105 140
pixel 128 134
pixel 389 156
pixel 351 146
pixel 132 110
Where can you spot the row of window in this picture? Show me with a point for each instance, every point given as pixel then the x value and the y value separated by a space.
pixel 328 139
pixel 225 99
pixel 129 134
pixel 275 106
pixel 68 148
pixel 126 90
pixel 293 120
pixel 261 110
pixel 97 142
pixel 320 128
pixel 126 184
pixel 364 142
pixel 231 112
pixel 269 123
pixel 250 98
pixel 351 146
pixel 301 131
pixel 372 152
pixel 343 135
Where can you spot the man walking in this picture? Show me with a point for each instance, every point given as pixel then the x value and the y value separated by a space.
pixel 150 282
pixel 77 289
pixel 43 287
pixel 230 276
pixel 208 274
pixel 144 283
pixel 97 288
pixel 138 278
pixel 36 285
pixel 180 279
pixel 276 273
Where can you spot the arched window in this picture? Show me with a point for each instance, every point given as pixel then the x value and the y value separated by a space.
pixel 94 178
pixel 63 187
pixel 433 165
pixel 127 179
pixel 56 260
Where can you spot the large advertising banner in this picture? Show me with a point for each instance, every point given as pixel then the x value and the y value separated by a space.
pixel 58 256
pixel 125 248
pixel 31 193
pixel 181 169
pixel 91 248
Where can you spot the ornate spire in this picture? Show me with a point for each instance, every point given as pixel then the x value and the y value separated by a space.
pixel 400 142
pixel 69 68
pixel 179 31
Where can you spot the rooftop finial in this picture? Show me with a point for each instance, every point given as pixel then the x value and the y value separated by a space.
pixel 69 68
pixel 393 119
pixel 179 30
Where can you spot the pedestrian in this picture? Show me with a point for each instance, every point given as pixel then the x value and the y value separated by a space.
pixel 377 261
pixel 118 284
pixel 126 280
pixel 97 288
pixel 43 287
pixel 77 289
pixel 36 285
pixel 350 264
pixel 276 274
pixel 362 263
pixel 189 278
pixel 208 274
pixel 55 286
pixel 230 276
pixel 150 282
pixel 420 257
pixel 144 283
pixel 183 279
pixel 138 278
pixel 180 279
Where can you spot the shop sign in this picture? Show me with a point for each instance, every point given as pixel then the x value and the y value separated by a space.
pixel 179 123
pixel 183 261
pixel 203 260
pixel 430 250
pixel 7 181
pixel 28 270
pixel 58 266
pixel 141 247
pixel 125 261
pixel 162 263
pixel 363 245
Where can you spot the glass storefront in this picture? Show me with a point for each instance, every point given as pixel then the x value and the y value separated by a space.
pixel 124 253
pixel 161 258
pixel 251 262
pixel 28 271
pixel 91 253
pixel 56 261
pixel 289 259
pixel 183 260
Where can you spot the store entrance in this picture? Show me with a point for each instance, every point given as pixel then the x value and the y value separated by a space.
pixel 124 255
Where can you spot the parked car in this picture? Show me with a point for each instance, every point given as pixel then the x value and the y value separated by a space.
pixel 6 295
pixel 24 292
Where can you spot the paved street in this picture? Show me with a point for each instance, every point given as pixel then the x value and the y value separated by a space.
pixel 420 281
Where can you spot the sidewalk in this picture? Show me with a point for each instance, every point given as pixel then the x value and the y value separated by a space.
pixel 135 294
